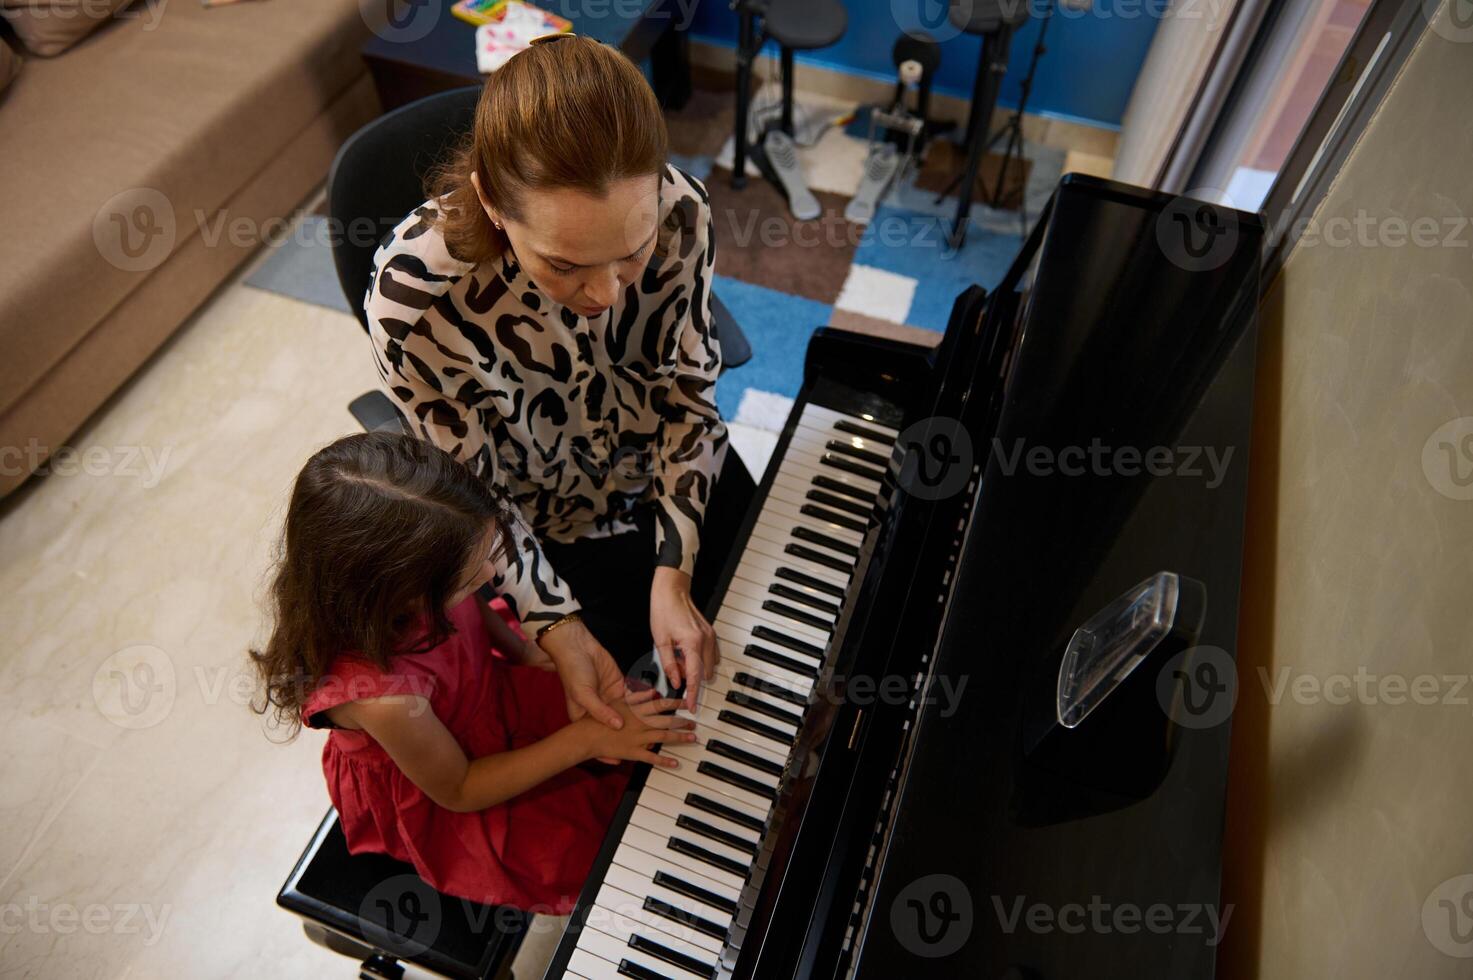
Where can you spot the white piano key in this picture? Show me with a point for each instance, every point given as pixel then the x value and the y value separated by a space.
pixel 592 967
pixel 798 489
pixel 610 943
pixel 815 440
pixel 675 807
pixel 767 556
pixel 629 914
pixel 762 571
pixel 820 413
pixel 659 847
pixel 709 723
pixel 692 756
pixel 680 789
pixel 763 592
pixel 636 884
pixel 815 443
pixel 747 608
pixel 779 538
pixel 746 708
pixel 845 546
pixel 737 658
pixel 773 689
pixel 779 511
pixel 806 470
pixel 647 865
pixel 664 825
pixel 782 515
pixel 814 640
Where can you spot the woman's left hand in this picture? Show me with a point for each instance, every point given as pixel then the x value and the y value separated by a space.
pixel 685 641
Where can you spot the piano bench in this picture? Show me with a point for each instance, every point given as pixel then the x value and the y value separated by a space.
pixel 380 912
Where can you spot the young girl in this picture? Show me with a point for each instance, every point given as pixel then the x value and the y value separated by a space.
pixel 450 744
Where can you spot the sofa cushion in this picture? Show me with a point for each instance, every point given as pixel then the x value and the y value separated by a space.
pixel 128 146
pixel 49 27
pixel 9 65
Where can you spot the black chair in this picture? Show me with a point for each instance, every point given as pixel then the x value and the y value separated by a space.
pixel 995 21
pixel 380 912
pixel 796 25
pixel 378 178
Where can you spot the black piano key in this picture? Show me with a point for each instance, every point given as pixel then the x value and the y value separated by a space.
pixel 778 660
pixel 819 558
pixel 797 595
pixel 688 963
pixel 737 754
pixel 808 581
pixel 715 833
pixel 743 700
pixel 808 534
pixel 704 895
pixel 682 846
pixel 839 486
pixel 840 462
pixel 708 805
pixel 627 968
pixel 732 778
pixel 839 503
pixel 849 449
pixel 689 919
pixel 855 429
pixel 783 639
pixel 755 727
pixel 798 615
pixel 833 517
pixel 770 689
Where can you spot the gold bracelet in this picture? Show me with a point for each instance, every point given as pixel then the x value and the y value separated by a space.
pixel 571 617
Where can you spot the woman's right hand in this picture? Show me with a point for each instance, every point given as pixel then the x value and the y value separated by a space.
pixel 592 681
pixel 648 721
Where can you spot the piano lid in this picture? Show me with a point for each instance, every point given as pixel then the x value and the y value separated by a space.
pixel 1020 847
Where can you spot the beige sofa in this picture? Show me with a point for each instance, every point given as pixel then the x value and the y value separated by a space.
pixel 170 117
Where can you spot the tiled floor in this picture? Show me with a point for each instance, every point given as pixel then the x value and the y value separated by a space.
pixel 148 817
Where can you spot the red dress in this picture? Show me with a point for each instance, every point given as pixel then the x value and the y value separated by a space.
pixel 531 852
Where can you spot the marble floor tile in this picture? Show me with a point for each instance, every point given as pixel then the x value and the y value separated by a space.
pixel 149 818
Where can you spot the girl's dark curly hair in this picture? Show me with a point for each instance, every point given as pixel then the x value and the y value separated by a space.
pixel 380 529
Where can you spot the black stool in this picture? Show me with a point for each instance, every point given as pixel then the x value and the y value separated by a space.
pixel 380 912
pixel 796 25
pixel 995 21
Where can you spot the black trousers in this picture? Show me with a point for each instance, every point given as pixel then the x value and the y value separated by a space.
pixel 611 577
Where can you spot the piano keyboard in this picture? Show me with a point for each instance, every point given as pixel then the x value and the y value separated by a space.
pixel 669 897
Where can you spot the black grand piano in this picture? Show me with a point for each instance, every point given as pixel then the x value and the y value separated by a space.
pixel 972 714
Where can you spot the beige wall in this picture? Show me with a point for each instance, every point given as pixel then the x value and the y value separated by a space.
pixel 1344 819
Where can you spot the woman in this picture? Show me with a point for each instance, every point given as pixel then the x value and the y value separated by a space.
pixel 545 317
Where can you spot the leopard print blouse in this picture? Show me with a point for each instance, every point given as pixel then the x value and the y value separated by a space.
pixel 578 419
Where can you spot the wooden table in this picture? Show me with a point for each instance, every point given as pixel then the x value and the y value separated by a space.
pixel 410 62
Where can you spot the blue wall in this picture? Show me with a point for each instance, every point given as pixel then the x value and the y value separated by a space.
pixel 1086 75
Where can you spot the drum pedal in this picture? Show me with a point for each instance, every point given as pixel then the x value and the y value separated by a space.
pixel 879 169
pixel 782 156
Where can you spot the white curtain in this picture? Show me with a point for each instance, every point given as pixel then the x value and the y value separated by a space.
pixel 1197 52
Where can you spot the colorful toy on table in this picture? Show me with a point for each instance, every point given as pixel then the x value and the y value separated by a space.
pixel 506 27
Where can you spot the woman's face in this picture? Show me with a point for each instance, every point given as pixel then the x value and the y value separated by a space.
pixel 583 250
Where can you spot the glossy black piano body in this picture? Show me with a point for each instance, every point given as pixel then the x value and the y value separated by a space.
pixel 934 818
